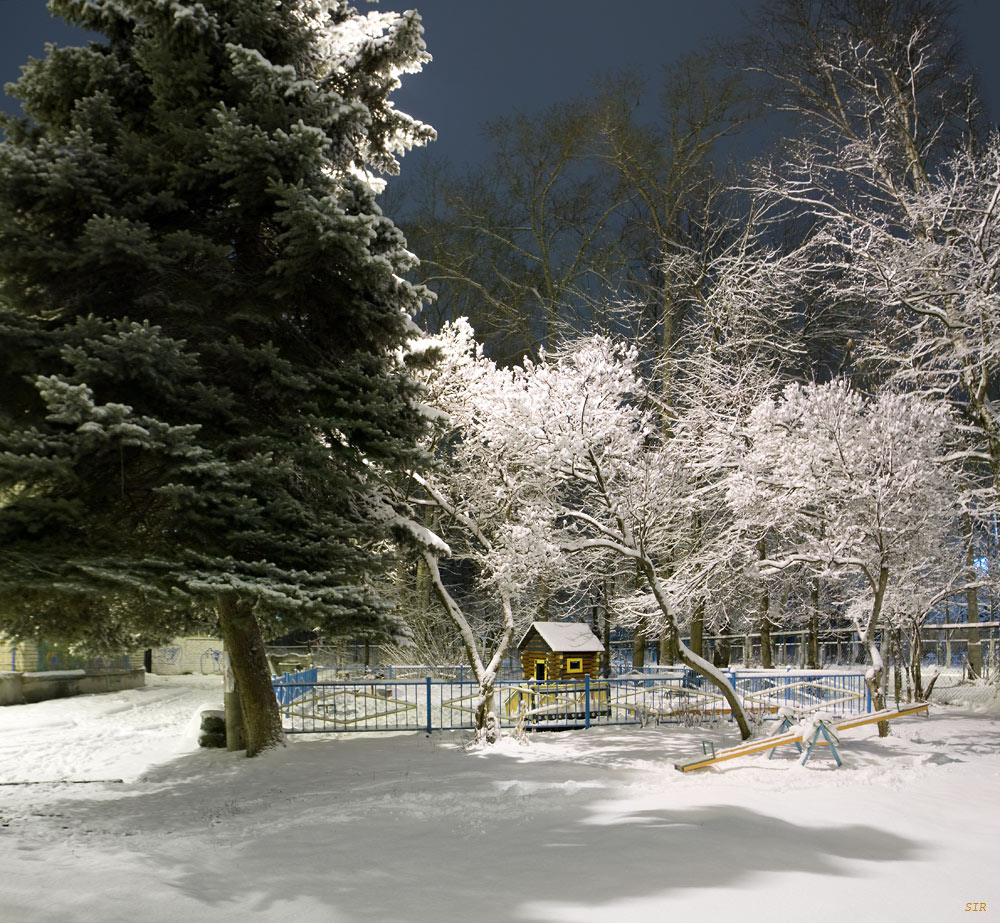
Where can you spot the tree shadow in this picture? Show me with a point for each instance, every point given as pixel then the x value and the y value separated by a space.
pixel 433 835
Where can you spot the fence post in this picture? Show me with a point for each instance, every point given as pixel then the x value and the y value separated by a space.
pixel 428 705
pixel 868 697
pixel 586 699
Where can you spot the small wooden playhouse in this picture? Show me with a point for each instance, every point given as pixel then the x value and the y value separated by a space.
pixel 560 651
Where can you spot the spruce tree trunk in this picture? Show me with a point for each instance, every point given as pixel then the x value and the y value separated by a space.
pixel 245 645
pixel 235 738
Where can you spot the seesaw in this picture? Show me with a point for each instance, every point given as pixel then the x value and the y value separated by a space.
pixel 822 734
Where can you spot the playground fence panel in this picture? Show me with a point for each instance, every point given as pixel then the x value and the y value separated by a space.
pixel 312 702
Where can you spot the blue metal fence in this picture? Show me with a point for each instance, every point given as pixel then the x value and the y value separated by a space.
pixel 290 687
pixel 311 702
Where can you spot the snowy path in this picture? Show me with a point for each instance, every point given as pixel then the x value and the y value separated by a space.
pixel 116 735
pixel 578 826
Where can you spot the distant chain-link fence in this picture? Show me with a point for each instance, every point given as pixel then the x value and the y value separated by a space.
pixel 952 687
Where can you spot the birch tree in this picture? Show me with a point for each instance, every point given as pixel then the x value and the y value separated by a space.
pixel 566 227
pixel 878 92
pixel 933 276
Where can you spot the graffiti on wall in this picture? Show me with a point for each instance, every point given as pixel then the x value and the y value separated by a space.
pixel 211 661
pixel 167 655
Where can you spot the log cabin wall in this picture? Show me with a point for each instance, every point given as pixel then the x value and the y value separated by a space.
pixel 534 649
pixel 591 665
pixel 556 662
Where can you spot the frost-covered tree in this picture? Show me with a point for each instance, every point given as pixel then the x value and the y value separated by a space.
pixel 490 541
pixel 889 173
pixel 933 274
pixel 876 98
pixel 202 313
pixel 560 468
pixel 878 90
pixel 741 341
pixel 614 485
pixel 857 492
pixel 711 579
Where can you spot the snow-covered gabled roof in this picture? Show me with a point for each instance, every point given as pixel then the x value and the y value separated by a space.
pixel 573 637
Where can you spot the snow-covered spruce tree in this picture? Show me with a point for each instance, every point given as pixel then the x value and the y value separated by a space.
pixel 201 322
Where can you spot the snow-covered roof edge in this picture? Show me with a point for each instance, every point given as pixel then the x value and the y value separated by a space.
pixel 575 637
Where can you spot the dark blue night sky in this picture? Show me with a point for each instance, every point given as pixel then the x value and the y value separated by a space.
pixel 493 57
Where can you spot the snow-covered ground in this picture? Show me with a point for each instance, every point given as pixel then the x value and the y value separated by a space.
pixel 575 826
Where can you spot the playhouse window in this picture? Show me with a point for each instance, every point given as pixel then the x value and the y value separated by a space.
pixel 574 665
pixel 540 669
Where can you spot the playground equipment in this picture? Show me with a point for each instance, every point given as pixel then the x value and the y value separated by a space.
pixel 817 734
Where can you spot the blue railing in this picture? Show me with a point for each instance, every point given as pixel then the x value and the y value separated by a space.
pixel 291 686
pixel 312 703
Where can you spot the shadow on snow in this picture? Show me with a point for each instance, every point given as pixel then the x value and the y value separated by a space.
pixel 420 823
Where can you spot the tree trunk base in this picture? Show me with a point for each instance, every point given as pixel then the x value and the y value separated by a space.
pixel 487 725
pixel 251 673
pixel 699 665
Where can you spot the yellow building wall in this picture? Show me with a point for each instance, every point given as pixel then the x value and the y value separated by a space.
pixel 21 657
